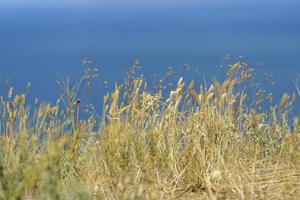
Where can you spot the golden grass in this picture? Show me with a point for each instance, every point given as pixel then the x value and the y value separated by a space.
pixel 206 144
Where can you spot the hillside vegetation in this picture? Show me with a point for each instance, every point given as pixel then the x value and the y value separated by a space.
pixel 211 142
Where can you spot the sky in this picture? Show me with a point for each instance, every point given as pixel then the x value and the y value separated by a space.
pixel 161 33
pixel 93 2
pixel 49 4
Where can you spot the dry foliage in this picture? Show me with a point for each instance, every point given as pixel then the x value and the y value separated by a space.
pixel 194 144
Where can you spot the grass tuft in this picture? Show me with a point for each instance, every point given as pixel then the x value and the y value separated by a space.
pixel 205 143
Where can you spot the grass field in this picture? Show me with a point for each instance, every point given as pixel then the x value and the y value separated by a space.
pixel 211 142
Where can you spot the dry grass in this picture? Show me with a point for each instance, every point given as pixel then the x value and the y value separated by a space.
pixel 206 144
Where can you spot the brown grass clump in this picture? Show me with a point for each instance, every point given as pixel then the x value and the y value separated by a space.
pixel 194 144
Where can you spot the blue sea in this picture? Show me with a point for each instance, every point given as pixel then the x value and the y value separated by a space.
pixel 39 44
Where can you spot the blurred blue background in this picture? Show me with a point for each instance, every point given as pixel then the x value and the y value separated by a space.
pixel 41 41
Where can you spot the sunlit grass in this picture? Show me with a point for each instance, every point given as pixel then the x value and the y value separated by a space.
pixel 196 143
